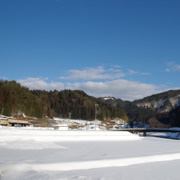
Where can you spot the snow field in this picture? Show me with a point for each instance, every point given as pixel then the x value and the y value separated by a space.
pixel 57 135
pixel 16 138
pixel 27 154
pixel 84 165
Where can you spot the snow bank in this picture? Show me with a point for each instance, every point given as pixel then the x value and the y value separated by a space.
pixel 16 134
pixel 82 165
pixel 92 155
pixel 165 134
pixel 34 139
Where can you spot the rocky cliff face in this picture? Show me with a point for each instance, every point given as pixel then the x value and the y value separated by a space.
pixel 163 102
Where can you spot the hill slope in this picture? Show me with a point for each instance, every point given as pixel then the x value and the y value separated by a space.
pixel 163 102
pixel 134 113
pixel 164 107
pixel 15 98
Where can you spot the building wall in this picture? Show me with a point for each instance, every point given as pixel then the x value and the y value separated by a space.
pixel 14 122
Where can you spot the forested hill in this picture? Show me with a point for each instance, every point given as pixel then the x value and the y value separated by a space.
pixel 164 107
pixel 15 98
pixel 163 102
pixel 134 113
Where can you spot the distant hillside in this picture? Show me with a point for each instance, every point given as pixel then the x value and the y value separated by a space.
pixel 79 105
pixel 175 117
pixel 163 102
pixel 134 113
pixel 15 98
pixel 164 107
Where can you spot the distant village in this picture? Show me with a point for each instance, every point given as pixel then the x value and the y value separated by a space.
pixel 61 124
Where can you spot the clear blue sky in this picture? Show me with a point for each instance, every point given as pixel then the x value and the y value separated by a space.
pixel 122 48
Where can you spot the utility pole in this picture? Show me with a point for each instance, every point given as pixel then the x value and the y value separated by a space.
pixel 69 119
pixel 69 115
pixel 95 115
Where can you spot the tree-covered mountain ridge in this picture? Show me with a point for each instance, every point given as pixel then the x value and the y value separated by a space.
pixel 76 104
pixel 164 107
pixel 162 102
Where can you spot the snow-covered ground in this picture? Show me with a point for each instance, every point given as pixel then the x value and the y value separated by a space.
pixel 70 120
pixel 103 155
pixel 165 134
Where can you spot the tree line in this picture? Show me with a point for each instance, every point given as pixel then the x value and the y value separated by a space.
pixel 76 104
